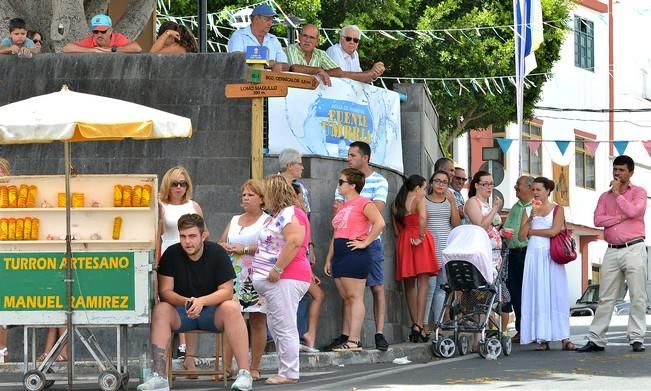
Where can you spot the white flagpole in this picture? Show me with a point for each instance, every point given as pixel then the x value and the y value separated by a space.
pixel 520 41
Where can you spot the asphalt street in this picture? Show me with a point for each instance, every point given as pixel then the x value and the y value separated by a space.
pixel 617 368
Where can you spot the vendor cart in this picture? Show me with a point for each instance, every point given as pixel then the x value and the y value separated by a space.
pixel 75 237
pixel 111 267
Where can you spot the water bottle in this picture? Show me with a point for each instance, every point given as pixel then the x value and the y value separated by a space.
pixel 144 364
pixel 343 148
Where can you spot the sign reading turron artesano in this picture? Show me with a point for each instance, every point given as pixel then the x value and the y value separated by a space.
pixel 103 281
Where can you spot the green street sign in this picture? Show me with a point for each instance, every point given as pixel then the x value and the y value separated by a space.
pixel 255 76
pixel 103 281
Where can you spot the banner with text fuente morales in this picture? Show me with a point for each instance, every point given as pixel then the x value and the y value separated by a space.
pixel 326 120
pixel 103 281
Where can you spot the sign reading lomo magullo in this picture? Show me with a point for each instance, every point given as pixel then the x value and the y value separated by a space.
pixel 103 281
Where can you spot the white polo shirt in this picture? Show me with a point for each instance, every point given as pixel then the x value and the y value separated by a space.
pixel 345 61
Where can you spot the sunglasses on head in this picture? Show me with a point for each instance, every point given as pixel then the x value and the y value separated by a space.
pixel 179 184
pixel 348 39
pixel 99 32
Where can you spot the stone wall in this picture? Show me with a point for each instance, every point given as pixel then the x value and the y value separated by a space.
pixel 217 155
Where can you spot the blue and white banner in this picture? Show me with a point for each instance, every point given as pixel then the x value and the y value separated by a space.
pixel 326 120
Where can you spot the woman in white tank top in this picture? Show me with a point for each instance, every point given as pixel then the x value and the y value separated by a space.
pixel 175 201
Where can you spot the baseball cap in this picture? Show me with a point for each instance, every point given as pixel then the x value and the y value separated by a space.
pixel 263 10
pixel 100 22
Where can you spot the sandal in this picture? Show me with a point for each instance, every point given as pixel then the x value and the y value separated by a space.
pixel 277 379
pixel 349 346
pixel 542 346
pixel 568 345
pixel 220 376
pixel 255 374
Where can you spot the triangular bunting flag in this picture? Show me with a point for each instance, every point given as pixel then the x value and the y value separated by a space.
pixel 591 146
pixel 621 146
pixel 533 146
pixel 647 145
pixel 562 146
pixel 504 144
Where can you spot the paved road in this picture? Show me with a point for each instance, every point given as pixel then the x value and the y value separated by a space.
pixel 615 369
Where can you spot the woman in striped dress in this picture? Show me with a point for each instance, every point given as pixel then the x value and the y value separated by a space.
pixel 442 216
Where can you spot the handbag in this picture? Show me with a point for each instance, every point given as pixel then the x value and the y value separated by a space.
pixel 562 246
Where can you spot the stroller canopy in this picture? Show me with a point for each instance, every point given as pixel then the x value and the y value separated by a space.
pixel 471 243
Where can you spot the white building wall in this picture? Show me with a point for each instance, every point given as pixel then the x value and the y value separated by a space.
pixel 573 87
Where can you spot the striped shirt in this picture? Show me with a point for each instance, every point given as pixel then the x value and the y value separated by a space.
pixel 320 58
pixel 438 224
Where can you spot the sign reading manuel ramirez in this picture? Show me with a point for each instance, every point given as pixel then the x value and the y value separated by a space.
pixel 103 281
pixel 326 120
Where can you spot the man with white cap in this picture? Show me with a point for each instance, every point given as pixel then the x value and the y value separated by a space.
pixel 257 34
pixel 103 39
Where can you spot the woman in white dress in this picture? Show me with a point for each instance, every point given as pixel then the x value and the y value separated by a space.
pixel 175 200
pixel 240 239
pixel 545 306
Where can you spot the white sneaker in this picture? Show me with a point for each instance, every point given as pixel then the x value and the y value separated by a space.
pixel 155 383
pixel 244 381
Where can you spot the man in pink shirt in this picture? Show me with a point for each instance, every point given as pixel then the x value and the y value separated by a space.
pixel 103 39
pixel 620 211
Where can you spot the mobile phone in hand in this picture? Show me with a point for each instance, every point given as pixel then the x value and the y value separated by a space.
pixel 188 304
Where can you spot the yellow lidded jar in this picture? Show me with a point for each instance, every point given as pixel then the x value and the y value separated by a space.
pixel 20 226
pixel 146 196
pixel 117 195
pixel 13 196
pixel 31 196
pixel 4 197
pixel 126 196
pixel 27 229
pixel 22 196
pixel 4 229
pixel 35 227
pixel 11 231
pixel 78 200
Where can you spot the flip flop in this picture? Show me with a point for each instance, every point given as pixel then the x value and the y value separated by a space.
pixel 229 375
pixel 277 379
pixel 255 374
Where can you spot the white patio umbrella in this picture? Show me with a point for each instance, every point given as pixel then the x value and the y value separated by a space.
pixel 69 116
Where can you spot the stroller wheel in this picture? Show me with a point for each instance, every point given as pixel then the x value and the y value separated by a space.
pixel 445 347
pixel 492 349
pixel 506 345
pixel 463 344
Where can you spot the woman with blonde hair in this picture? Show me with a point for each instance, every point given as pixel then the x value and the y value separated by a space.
pixel 240 240
pixel 175 200
pixel 282 273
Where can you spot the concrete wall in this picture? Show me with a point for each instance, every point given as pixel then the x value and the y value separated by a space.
pixel 217 155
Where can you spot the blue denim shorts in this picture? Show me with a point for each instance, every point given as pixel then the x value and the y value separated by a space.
pixel 205 321
pixel 376 274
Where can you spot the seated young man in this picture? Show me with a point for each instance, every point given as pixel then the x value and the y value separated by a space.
pixel 195 286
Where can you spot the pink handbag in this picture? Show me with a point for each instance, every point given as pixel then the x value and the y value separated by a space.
pixel 562 247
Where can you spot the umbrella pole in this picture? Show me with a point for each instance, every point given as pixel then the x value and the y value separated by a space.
pixel 68 280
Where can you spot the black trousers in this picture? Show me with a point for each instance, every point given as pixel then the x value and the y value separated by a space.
pixel 514 282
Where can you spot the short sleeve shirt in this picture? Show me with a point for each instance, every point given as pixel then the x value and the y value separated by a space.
pixel 271 241
pixel 320 58
pixel 347 62
pixel 28 43
pixel 350 222
pixel 242 38
pixel 117 39
pixel 196 278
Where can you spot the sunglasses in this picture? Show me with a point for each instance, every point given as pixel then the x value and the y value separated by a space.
pixel 348 39
pixel 179 184
pixel 341 182
pixel 36 40
pixel 460 178
pixel 99 32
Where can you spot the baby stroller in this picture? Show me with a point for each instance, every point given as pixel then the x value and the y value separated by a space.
pixel 472 297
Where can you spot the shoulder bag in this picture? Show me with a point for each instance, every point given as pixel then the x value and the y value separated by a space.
pixel 562 247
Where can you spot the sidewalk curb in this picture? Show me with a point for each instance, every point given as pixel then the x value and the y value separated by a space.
pixel 414 352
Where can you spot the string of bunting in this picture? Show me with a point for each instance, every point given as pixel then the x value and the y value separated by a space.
pixel 590 146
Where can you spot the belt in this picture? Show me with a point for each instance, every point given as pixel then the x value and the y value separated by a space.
pixel 517 250
pixel 627 244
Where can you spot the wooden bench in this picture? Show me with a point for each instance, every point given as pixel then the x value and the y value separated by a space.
pixel 219 352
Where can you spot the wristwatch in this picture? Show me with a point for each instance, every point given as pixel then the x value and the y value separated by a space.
pixel 114 49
